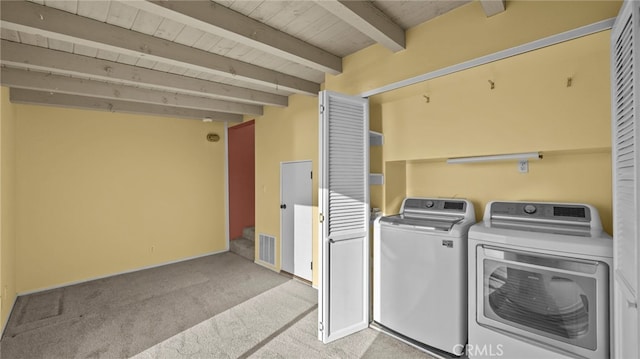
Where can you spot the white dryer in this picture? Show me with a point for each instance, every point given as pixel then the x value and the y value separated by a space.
pixel 539 282
pixel 420 272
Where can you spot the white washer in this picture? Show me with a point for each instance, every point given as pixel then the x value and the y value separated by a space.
pixel 539 282
pixel 420 272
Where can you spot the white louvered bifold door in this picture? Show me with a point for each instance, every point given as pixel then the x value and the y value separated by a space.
pixel 625 79
pixel 343 182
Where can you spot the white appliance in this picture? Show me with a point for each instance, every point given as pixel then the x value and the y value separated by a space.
pixel 420 272
pixel 539 282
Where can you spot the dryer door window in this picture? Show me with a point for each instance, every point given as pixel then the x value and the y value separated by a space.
pixel 548 296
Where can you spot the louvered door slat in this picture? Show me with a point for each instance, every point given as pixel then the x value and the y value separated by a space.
pixel 625 124
pixel 625 127
pixel 343 304
pixel 625 81
pixel 347 168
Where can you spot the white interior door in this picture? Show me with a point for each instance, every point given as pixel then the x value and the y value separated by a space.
pixel 296 217
pixel 625 80
pixel 343 182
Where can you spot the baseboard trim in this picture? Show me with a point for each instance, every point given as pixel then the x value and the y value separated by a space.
pixel 266 265
pixel 6 320
pixel 119 273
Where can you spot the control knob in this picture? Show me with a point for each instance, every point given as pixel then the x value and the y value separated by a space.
pixel 530 209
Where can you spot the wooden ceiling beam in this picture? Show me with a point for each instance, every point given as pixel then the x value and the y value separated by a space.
pixel 42 59
pixel 493 7
pixel 219 20
pixel 60 25
pixel 369 20
pixel 43 81
pixel 34 97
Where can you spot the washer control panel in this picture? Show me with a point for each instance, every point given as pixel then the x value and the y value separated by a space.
pixel 433 204
pixel 541 211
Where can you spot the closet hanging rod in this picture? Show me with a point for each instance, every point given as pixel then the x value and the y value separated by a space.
pixel 505 157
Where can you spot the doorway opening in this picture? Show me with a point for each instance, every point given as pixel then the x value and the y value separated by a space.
pixel 241 162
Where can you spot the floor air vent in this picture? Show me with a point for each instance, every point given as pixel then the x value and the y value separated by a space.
pixel 267 249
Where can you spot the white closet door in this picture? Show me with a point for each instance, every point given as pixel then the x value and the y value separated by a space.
pixel 343 296
pixel 625 80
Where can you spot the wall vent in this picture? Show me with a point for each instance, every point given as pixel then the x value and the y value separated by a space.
pixel 267 249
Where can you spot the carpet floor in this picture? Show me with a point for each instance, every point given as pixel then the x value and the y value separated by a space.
pixel 219 306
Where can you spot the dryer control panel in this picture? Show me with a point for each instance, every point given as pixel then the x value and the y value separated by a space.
pixel 540 211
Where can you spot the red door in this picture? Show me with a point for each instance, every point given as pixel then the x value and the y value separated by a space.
pixel 241 178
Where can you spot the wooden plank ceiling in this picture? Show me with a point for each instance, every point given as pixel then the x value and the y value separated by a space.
pixel 193 59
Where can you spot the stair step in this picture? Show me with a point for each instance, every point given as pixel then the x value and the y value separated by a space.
pixel 249 233
pixel 243 247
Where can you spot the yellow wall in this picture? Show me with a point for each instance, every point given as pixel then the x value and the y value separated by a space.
pixel 571 176
pixel 465 34
pixel 100 193
pixel 282 135
pixel 7 207
pixel 530 109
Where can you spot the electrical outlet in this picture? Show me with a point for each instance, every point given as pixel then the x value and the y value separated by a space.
pixel 523 166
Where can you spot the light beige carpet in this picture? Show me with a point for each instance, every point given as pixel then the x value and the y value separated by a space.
pixel 220 306
pixel 120 316
pixel 279 323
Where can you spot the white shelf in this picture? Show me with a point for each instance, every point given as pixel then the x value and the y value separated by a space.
pixel 376 179
pixel 375 138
